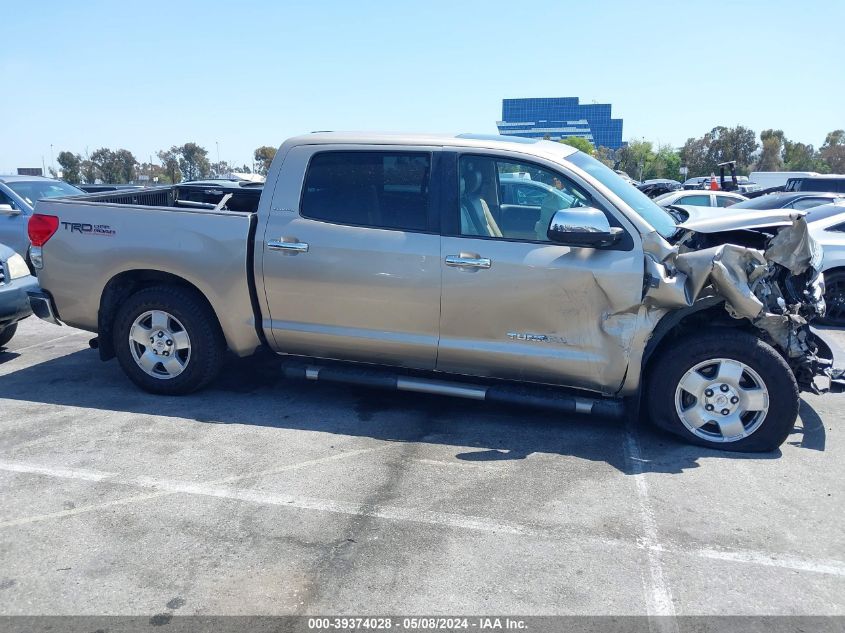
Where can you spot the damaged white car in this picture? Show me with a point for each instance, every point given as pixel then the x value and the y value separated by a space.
pixel 492 268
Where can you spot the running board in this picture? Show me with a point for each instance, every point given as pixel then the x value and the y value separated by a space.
pixel 504 393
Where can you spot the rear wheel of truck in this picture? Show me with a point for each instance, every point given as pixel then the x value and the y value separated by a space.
pixel 6 334
pixel 168 341
pixel 726 390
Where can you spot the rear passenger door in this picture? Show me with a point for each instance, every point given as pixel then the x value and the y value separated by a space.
pixel 351 258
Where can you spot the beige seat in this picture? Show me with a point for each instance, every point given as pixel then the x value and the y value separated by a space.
pixel 476 218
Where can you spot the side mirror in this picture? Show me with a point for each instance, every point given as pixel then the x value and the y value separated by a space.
pixel 7 209
pixel 583 226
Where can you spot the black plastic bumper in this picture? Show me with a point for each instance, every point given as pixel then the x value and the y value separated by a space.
pixel 42 306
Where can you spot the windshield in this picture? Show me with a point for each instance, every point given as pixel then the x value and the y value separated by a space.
pixel 644 206
pixel 32 190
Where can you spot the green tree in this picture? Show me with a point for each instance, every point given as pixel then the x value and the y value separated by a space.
pixel 832 151
pixel 665 164
pixel 607 156
pixel 694 156
pixel 193 161
pixel 800 157
pixel 154 173
pixel 89 171
pixel 264 156
pixel 772 149
pixel 580 143
pixel 114 166
pixel 71 165
pixel 221 169
pixel 170 164
pixel 106 165
pixel 719 145
pixel 126 165
pixel 738 143
pixel 635 158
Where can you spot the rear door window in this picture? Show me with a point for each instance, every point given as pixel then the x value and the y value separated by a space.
pixel 809 203
pixel 699 201
pixel 388 190
pixel 725 201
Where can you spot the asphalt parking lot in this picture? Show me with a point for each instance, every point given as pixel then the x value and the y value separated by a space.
pixel 263 496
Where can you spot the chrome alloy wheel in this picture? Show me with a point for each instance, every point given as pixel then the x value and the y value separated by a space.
pixel 160 344
pixel 722 400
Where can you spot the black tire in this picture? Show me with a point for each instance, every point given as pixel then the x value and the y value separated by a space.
pixel 670 367
pixel 6 334
pixel 834 297
pixel 207 345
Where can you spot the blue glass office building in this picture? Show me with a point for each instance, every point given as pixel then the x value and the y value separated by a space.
pixel 559 118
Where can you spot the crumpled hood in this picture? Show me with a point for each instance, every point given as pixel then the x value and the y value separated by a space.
pixel 778 289
pixel 717 219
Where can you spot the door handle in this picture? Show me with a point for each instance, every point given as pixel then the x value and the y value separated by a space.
pixel 288 247
pixel 457 261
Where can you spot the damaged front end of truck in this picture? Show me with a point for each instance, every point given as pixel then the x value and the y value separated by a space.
pixel 767 272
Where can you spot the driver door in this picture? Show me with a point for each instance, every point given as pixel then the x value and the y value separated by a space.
pixel 516 305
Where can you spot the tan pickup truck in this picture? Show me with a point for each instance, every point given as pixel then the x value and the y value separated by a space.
pixel 492 268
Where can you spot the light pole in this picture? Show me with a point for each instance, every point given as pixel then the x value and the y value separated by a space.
pixel 52 162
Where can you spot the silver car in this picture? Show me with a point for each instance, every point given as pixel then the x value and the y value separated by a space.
pixel 700 198
pixel 18 195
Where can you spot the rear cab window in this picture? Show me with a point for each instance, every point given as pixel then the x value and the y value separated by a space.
pixel 388 190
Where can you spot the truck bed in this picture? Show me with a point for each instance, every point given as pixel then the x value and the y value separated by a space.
pixel 190 196
pixel 105 238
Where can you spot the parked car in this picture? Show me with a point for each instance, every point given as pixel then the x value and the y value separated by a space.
pixel 788 200
pixel 744 185
pixel 834 183
pixel 395 258
pixel 827 226
pixel 17 198
pixel 772 179
pixel 658 186
pixel 15 284
pixel 701 198
pixel 624 176
pixel 697 182
pixel 527 192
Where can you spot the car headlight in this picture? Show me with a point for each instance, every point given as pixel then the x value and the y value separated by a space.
pixel 17 267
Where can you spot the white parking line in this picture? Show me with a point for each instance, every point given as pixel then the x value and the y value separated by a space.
pixel 49 471
pixel 659 597
pixel 47 342
pixel 831 567
pixel 162 487
pixel 660 601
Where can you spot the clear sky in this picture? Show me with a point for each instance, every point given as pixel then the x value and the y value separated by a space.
pixel 148 75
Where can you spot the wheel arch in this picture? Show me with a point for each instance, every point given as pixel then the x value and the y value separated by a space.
pixel 709 311
pixel 122 286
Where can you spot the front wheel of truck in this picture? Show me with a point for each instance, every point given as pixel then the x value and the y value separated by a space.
pixel 726 390
pixel 168 341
